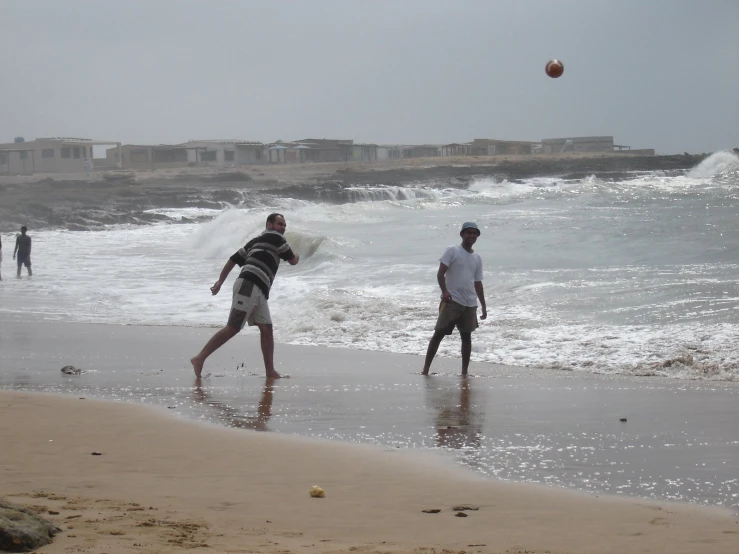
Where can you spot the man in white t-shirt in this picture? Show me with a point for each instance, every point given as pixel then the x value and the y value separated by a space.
pixel 460 280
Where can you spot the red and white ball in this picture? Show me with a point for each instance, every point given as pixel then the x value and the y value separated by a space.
pixel 554 68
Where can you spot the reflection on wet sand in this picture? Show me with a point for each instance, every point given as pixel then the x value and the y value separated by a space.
pixel 234 417
pixel 458 420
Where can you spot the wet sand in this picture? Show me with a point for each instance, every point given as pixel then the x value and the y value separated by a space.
pixel 163 484
pixel 679 440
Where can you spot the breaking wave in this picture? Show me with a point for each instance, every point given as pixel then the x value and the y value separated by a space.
pixel 715 164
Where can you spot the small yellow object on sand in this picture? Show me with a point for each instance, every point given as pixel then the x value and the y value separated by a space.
pixel 317 492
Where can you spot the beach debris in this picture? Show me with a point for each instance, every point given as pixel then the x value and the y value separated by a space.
pixel 97 453
pixel 53 513
pixel 317 492
pixel 21 530
pixel 623 420
pixel 460 514
pixel 431 511
pixel 464 507
pixel 71 370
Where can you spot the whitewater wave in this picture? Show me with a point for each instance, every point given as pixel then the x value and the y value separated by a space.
pixel 232 228
pixel 715 164
pixel 492 188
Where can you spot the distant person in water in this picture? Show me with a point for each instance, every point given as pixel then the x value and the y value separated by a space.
pixel 22 251
pixel 259 260
pixel 460 280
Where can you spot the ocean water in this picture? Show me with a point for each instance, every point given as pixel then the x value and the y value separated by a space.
pixel 632 275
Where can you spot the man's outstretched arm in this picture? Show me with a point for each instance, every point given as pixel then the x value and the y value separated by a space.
pixel 222 277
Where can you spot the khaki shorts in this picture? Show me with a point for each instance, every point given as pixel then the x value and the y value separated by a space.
pixel 248 306
pixel 453 315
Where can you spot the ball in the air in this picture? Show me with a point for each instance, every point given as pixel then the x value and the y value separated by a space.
pixel 554 68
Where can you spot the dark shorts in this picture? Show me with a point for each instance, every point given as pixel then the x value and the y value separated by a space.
pixel 453 315
pixel 24 260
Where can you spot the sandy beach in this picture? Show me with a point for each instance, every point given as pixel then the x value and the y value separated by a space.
pixel 166 483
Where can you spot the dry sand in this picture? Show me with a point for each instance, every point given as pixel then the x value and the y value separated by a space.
pixel 163 484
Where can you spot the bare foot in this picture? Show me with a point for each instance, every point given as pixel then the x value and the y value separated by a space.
pixel 197 366
pixel 425 372
pixel 274 375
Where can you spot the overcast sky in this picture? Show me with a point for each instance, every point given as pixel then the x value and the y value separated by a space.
pixel 658 74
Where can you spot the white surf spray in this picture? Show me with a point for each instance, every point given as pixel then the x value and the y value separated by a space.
pixel 715 164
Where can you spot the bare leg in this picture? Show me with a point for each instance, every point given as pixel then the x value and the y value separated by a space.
pixel 268 350
pixel 431 351
pixel 30 271
pixel 466 350
pixel 216 341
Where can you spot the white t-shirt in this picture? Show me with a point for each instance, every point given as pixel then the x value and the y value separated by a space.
pixel 464 269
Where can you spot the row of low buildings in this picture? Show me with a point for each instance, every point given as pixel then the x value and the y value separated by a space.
pixel 53 155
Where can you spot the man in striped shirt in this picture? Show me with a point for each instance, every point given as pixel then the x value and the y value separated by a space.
pixel 259 260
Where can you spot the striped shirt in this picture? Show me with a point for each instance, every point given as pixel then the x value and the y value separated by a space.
pixel 260 258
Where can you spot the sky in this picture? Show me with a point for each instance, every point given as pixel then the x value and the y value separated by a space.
pixel 660 74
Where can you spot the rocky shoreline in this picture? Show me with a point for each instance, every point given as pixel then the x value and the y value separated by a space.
pixel 611 166
pixel 120 197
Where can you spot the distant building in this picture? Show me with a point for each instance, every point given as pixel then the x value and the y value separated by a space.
pixel 456 149
pixel 386 152
pixel 138 156
pixel 363 153
pixel 294 152
pixel 276 152
pixel 224 153
pixel 48 155
pixel 323 150
pixel 420 151
pixel 493 147
pixel 577 144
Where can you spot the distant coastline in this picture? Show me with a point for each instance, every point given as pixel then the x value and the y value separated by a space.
pixel 77 202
